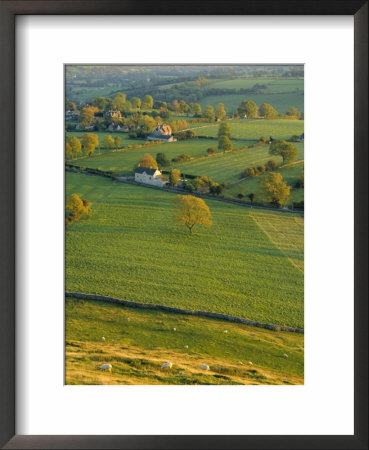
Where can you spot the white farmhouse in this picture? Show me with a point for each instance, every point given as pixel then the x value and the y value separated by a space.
pixel 148 176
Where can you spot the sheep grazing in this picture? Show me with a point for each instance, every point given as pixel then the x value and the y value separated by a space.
pixel 250 363
pixel 107 367
pixel 205 367
pixel 285 355
pixel 103 339
pixel 174 329
pixel 225 331
pixel 240 363
pixel 186 346
pixel 167 365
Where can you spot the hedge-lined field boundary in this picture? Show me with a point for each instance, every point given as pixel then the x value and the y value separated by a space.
pixel 190 312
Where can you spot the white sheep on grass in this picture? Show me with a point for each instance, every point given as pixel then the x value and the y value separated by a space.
pixel 106 367
pixel 167 365
pixel 205 367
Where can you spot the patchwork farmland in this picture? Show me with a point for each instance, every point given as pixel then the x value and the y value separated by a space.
pixel 124 238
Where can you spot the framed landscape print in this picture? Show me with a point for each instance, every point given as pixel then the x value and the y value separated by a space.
pixel 184 207
pixel 179 284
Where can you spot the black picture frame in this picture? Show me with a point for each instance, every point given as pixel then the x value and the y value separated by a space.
pixel 8 11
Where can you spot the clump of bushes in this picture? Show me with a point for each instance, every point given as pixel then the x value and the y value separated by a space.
pixel 255 171
pixel 205 185
pixel 184 135
pixel 211 150
pixel 76 208
pixel 181 158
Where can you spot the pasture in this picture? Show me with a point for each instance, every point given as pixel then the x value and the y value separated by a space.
pixel 133 250
pixel 122 162
pixel 255 128
pixel 229 166
pixel 272 84
pixel 290 175
pixel 137 342
pixel 281 102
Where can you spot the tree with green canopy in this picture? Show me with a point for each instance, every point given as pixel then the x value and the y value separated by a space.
pixel 267 111
pixel 249 108
pixel 191 211
pixel 274 189
pixel 285 149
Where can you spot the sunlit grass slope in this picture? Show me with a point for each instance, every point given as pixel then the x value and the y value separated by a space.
pixel 123 162
pixel 255 128
pixel 132 249
pixel 138 342
pixel 290 175
pixel 229 166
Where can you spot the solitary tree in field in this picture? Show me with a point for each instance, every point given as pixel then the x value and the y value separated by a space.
pixel 220 111
pixel 147 161
pixel 224 130
pixel 285 149
pixel 89 143
pixel 224 143
pixel 274 189
pixel 174 176
pixel 249 108
pixel 191 211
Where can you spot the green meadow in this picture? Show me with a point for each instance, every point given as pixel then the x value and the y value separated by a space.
pixel 290 175
pixel 122 162
pixel 229 166
pixel 137 342
pixel 255 128
pixel 132 249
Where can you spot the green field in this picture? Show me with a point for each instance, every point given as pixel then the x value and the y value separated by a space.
pixel 122 162
pixel 255 128
pixel 138 342
pixel 290 175
pixel 131 249
pixel 272 84
pixel 229 166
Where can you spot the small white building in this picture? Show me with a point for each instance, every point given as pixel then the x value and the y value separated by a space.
pixel 149 176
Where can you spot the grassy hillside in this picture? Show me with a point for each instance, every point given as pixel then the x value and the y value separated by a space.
pixel 255 128
pixel 290 175
pixel 138 342
pixel 131 249
pixel 122 162
pixel 229 166
pixel 281 102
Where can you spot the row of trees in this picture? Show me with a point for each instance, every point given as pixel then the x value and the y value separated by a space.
pixel 251 110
